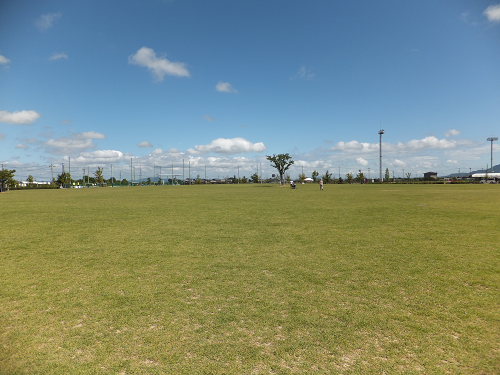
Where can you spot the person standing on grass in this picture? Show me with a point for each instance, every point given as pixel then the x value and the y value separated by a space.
pixel 321 184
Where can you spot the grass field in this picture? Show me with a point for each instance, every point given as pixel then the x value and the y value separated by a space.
pixel 250 279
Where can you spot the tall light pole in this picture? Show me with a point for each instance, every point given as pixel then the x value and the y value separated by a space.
pixel 491 139
pixel 380 133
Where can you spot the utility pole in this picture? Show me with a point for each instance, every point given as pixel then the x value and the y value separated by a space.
pixel 52 170
pixel 183 178
pixel 205 174
pixel 111 175
pixel 380 133
pixel 83 169
pixel 160 176
pixel 140 173
pixel 238 174
pixel 69 167
pixel 190 172
pixel 491 139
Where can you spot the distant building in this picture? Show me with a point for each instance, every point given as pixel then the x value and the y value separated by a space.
pixel 430 176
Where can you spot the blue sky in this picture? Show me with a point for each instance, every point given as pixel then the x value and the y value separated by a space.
pixel 222 84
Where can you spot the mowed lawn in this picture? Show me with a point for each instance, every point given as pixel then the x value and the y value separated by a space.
pixel 251 279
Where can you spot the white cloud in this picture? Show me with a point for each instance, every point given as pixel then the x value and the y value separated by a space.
pixel 398 163
pixel 225 87
pixel 208 118
pixel 91 135
pixel 228 146
pixel 452 161
pixel 361 161
pixel 19 117
pixel 57 56
pixel 4 61
pixel 158 151
pixel 452 133
pixel 144 144
pixel 22 146
pixel 493 13
pixel 99 157
pixel 159 66
pixel 303 73
pixel 46 21
pixel 355 146
pixel 77 142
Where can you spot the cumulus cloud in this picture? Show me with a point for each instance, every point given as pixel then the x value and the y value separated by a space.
pixel 355 146
pixel 228 146
pixel 4 61
pixel 400 147
pixel 99 157
pixel 398 163
pixel 361 161
pixel 144 144
pixel 75 143
pixel 19 117
pixel 452 133
pixel 46 21
pixel 57 56
pixel 22 146
pixel 303 73
pixel 493 13
pixel 225 87
pixel 158 151
pixel 159 66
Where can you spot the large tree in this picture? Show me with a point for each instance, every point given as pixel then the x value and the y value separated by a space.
pixel 63 179
pixel 98 176
pixel 7 179
pixel 281 162
pixel 327 177
pixel 315 175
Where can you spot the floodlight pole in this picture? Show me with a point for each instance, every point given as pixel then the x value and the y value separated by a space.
pixel 380 133
pixel 491 139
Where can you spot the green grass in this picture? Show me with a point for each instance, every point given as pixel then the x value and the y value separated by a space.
pixel 245 279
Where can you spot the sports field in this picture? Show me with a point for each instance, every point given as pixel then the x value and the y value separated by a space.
pixel 251 279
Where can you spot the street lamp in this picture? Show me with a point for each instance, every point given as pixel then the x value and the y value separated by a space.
pixel 380 133
pixel 491 139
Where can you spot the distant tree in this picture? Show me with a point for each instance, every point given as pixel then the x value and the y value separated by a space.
pixel 98 176
pixel 349 177
pixel 408 175
pixel 327 177
pixel 315 175
pixel 387 177
pixel 340 180
pixel 360 177
pixel 281 162
pixel 255 178
pixel 302 177
pixel 124 182
pixel 198 180
pixel 244 180
pixel 30 181
pixel 63 179
pixel 148 181
pixel 7 179
pixel 159 181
